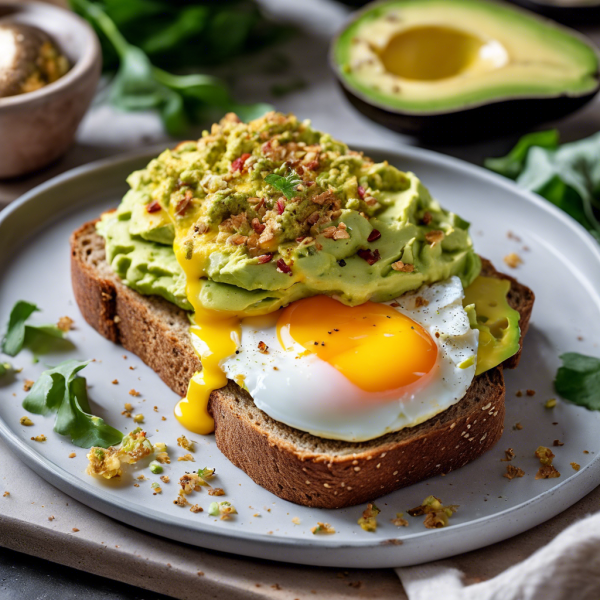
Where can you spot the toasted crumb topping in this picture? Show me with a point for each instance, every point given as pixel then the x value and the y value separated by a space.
pixel 26 421
pixel 28 384
pixel 196 508
pixel 39 438
pixel 296 520
pixel 513 260
pixel 575 466
pixel 550 403
pixel 404 267
pixel 530 392
pixel 547 470
pixel 509 454
pixel 322 528
pixel 399 521
pixel 368 521
pixel 139 418
pixel 165 478
pixel 187 457
pixel 156 488
pixel 133 392
pixel 185 443
pixel 512 472
pixel 436 515
pixel 115 381
pixel 518 426
pixel 72 455
pixel 558 443
pixel 216 492
pixel 6 494
pixel 65 324
pixel 225 509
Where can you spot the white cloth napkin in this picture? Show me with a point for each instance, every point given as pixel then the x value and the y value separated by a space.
pixel 568 568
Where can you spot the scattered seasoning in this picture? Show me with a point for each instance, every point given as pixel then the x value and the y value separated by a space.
pixel 51 518
pixel 510 454
pixel 370 256
pixel 374 235
pixel 196 508
pixel 185 443
pixel 368 521
pixel 403 267
pixel 216 492
pixel 512 472
pixel 28 384
pixel 263 348
pixel 265 258
pixel 436 515
pixel 518 426
pixel 399 521
pixel 134 393
pixel 322 528
pixel 115 381
pixel 186 457
pixel 72 455
pixel 65 324
pixel 238 163
pixel 434 237
pixel 513 260
pixel 39 438
pixel 153 207
pixel 282 267
pixel 530 392
pixel 558 443
pixel 165 479
pixel 75 529
pixel 26 421
pixel 575 466
pixel 341 262
pixel 547 470
pixel 296 520
pixel 6 494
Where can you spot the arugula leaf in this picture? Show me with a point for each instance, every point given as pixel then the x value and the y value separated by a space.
pixel 578 380
pixel 61 390
pixel 512 164
pixel 286 185
pixel 19 333
pixel 140 85
pixel 567 176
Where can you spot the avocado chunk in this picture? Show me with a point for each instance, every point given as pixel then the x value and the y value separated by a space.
pixel 498 323
pixel 419 59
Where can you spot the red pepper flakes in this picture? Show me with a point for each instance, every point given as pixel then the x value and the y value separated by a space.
pixel 280 206
pixel 265 258
pixel 362 192
pixel 374 235
pixel 153 207
pixel 238 163
pixel 369 256
pixel 283 267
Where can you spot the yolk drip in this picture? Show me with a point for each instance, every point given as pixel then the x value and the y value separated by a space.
pixel 372 345
pixel 215 337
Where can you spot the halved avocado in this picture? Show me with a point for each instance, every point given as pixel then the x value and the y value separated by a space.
pixel 462 69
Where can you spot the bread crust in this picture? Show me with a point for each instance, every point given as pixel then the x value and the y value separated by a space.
pixel 289 463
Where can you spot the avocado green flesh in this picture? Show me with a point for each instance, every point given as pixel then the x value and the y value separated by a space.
pixel 497 322
pixel 141 244
pixel 543 59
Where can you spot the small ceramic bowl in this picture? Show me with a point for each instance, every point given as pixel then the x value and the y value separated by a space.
pixel 38 127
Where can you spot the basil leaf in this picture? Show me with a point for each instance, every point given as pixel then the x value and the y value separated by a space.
pixel 578 380
pixel 567 176
pixel 60 390
pixel 512 164
pixel 286 185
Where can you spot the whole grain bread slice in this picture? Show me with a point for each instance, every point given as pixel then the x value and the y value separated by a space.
pixel 292 464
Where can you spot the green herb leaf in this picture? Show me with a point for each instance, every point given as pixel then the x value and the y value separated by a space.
pixel 60 390
pixel 567 176
pixel 19 333
pixel 4 368
pixel 286 185
pixel 140 85
pixel 12 343
pixel 578 380
pixel 512 164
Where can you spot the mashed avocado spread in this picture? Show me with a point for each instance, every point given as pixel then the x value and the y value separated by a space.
pixel 271 211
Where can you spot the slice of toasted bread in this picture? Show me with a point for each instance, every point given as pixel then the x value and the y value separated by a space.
pixel 292 464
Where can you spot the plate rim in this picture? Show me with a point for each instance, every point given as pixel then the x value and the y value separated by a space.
pixel 93 497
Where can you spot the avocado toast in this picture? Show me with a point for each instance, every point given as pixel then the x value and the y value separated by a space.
pixel 315 470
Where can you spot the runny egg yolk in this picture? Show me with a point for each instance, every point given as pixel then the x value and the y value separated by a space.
pixel 372 345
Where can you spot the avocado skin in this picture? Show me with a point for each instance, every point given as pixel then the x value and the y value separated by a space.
pixel 495 119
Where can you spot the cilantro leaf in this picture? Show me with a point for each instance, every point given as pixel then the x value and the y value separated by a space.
pixel 286 185
pixel 61 390
pixel 568 175
pixel 578 380
pixel 19 333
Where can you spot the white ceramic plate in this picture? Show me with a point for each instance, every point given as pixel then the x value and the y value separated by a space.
pixel 561 264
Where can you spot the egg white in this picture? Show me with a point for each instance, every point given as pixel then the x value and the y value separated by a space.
pixel 309 394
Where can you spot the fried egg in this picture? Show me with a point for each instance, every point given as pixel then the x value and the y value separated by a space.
pixel 339 372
